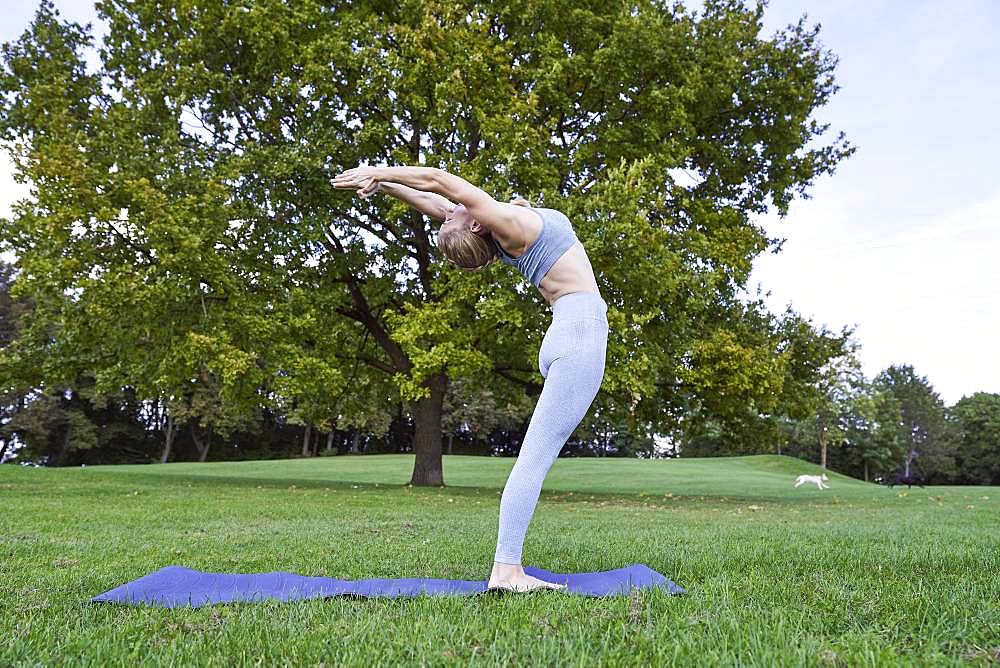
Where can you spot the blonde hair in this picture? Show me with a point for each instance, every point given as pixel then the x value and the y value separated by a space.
pixel 466 249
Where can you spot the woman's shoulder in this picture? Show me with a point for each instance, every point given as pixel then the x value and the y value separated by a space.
pixel 549 215
pixel 527 225
pixel 545 211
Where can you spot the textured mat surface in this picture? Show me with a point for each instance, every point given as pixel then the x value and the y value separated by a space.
pixel 176 586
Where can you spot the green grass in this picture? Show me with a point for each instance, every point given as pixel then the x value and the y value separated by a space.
pixel 854 575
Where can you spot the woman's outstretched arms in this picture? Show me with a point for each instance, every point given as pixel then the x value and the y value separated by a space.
pixel 482 207
pixel 429 203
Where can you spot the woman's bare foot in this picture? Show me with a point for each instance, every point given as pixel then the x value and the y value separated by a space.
pixel 513 577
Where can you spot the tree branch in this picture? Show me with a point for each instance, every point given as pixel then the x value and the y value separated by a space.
pixel 377 363
pixel 362 313
pixel 532 387
pixel 402 240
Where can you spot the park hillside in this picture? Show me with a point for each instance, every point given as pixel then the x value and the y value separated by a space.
pixel 186 286
pixel 854 575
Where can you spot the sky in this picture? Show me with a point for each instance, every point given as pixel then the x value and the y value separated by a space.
pixel 902 243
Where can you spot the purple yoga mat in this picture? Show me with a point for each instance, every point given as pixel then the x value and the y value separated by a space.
pixel 176 586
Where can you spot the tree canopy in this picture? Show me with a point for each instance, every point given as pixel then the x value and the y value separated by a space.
pixel 181 238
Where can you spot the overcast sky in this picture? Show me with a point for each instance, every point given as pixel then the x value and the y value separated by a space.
pixel 903 242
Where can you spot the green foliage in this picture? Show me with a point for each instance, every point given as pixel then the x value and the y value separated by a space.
pixel 874 439
pixel 743 371
pixel 478 405
pixel 60 426
pixel 181 238
pixel 975 424
pixel 923 427
pixel 762 380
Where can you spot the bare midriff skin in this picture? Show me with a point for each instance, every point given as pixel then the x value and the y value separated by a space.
pixel 515 228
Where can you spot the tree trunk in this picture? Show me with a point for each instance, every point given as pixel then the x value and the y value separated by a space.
pixel 202 446
pixel 451 437
pixel 329 441
pixel 355 439
pixel 427 435
pixel 6 442
pixel 866 471
pixel 822 449
pixel 305 440
pixel 55 455
pixel 171 433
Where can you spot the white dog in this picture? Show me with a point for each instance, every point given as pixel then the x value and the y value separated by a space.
pixel 818 479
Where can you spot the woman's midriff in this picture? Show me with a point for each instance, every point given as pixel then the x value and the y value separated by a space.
pixel 572 272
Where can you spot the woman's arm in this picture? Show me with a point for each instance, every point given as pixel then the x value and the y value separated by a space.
pixel 429 203
pixel 365 179
pixel 492 214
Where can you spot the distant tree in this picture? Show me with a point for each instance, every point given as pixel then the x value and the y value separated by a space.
pixel 841 385
pixel 777 370
pixel 57 424
pixel 52 426
pixel 474 406
pixel 12 396
pixel 875 436
pixel 868 434
pixel 706 439
pixel 922 424
pixel 206 412
pixel 609 436
pixel 976 429
pixel 79 425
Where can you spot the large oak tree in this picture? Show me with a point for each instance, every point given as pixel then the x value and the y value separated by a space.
pixel 181 226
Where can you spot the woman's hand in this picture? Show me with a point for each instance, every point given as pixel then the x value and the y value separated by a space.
pixel 363 179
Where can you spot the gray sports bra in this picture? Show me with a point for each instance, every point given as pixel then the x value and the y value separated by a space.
pixel 555 239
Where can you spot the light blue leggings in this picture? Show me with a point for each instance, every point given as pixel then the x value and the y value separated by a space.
pixel 571 360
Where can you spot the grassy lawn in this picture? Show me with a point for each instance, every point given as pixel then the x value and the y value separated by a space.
pixel 854 575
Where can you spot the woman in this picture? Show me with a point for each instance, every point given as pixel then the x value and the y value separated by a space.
pixel 542 245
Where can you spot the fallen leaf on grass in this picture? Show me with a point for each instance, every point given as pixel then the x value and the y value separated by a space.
pixel 991 654
pixel 544 622
pixel 635 607
pixel 828 656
